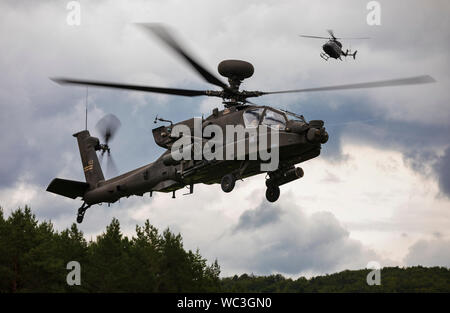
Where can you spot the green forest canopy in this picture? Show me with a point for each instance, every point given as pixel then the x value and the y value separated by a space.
pixel 33 258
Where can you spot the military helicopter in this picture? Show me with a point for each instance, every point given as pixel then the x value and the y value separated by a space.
pixel 333 48
pixel 299 140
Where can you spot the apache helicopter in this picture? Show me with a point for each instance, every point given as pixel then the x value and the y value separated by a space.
pixel 299 140
pixel 333 48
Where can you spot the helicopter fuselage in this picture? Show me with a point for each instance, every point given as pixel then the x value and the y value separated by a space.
pixel 298 142
pixel 333 49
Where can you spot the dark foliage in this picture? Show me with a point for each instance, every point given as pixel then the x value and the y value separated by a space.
pixel 393 279
pixel 33 258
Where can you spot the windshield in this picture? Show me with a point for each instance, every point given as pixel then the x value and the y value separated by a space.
pixel 294 117
pixel 252 117
pixel 274 120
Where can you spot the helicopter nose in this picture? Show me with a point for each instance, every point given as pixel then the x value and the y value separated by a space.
pixel 317 133
pixel 324 137
pixel 313 135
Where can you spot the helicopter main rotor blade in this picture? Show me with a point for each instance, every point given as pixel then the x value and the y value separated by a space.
pixel 331 32
pixel 170 91
pixel 425 79
pixel 164 35
pixel 314 37
pixel 353 38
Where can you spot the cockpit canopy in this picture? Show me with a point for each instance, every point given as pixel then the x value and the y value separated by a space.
pixel 265 116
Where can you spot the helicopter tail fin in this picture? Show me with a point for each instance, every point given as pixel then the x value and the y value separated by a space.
pixel 91 166
pixel 354 54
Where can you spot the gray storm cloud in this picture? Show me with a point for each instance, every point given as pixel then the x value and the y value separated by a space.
pixel 434 252
pixel 442 169
pixel 283 238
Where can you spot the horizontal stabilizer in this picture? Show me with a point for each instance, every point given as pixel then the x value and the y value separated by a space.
pixel 68 188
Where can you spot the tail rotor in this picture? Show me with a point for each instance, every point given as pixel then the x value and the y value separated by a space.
pixel 107 127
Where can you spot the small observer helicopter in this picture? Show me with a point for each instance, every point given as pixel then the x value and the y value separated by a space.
pixel 299 140
pixel 333 48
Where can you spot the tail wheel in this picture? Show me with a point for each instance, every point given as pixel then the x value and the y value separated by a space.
pixel 80 218
pixel 272 193
pixel 81 212
pixel 228 182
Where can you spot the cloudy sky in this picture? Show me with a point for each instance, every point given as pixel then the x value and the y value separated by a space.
pixel 380 191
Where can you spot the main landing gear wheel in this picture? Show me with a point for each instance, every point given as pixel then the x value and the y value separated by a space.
pixel 228 182
pixel 272 193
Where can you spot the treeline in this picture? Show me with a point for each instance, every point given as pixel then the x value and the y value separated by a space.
pixel 33 258
pixel 393 279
